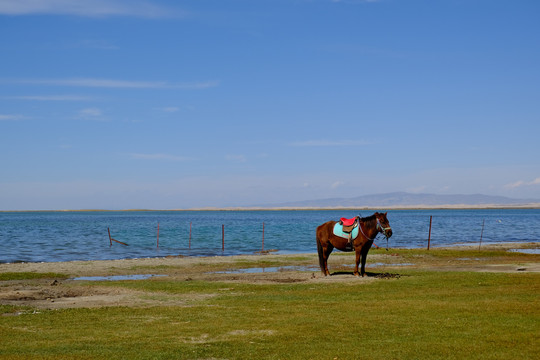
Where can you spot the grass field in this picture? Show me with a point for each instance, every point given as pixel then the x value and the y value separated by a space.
pixel 414 314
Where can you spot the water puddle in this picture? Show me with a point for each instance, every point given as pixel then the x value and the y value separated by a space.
pixel 391 265
pixel 526 251
pixel 268 269
pixel 117 277
pixel 272 269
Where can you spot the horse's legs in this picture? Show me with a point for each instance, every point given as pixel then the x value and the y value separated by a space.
pixel 357 261
pixel 326 254
pixel 365 250
pixel 363 268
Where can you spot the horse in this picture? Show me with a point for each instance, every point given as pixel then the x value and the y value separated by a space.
pixel 370 227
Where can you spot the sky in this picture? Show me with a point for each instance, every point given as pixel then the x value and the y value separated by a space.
pixel 157 104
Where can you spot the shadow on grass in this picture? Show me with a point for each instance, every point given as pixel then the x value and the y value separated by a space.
pixel 383 275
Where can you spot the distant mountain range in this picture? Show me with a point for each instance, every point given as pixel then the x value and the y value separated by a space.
pixel 409 200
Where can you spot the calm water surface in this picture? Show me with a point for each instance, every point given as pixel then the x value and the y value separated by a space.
pixel 67 236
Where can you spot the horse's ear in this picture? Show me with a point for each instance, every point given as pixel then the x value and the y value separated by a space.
pixel 385 213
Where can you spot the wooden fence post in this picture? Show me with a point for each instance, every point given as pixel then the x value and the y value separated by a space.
pixel 263 239
pixel 429 237
pixel 222 237
pixel 158 234
pixel 111 239
pixel 481 233
pixel 190 236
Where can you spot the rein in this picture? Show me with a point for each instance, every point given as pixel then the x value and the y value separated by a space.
pixel 362 231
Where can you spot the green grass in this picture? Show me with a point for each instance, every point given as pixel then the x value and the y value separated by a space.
pixel 423 315
pixel 30 275
pixel 449 252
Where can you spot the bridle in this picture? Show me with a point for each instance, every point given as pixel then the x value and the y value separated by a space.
pixel 383 230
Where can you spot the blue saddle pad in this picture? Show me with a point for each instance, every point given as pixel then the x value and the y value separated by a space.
pixel 338 231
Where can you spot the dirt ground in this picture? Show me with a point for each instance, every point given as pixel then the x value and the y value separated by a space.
pixel 66 291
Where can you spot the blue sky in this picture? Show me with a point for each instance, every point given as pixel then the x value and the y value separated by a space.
pixel 178 104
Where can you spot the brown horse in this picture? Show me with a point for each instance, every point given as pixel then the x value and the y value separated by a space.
pixel 369 228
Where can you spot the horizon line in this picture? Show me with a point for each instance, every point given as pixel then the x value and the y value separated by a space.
pixel 534 205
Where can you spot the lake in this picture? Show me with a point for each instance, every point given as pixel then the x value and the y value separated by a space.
pixel 80 235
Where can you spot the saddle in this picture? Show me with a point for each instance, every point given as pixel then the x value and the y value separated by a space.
pixel 349 224
pixel 348 229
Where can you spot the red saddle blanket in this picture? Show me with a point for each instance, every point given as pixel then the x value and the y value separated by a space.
pixel 347 222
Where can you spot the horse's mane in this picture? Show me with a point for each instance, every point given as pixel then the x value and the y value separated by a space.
pixel 369 221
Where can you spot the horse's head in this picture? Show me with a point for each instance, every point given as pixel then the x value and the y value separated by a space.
pixel 382 224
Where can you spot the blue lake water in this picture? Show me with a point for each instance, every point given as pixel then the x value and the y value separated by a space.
pixel 67 236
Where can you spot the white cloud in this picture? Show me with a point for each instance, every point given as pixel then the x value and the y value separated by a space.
pixel 331 143
pixel 170 109
pixel 50 97
pixel 88 8
pixel 97 44
pixel 163 157
pixel 515 184
pixel 237 158
pixel 416 189
pixel 114 83
pixel 10 117
pixel 90 112
pixel 522 183
pixel 337 184
pixel 354 1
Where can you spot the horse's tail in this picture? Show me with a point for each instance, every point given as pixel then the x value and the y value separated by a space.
pixel 320 251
